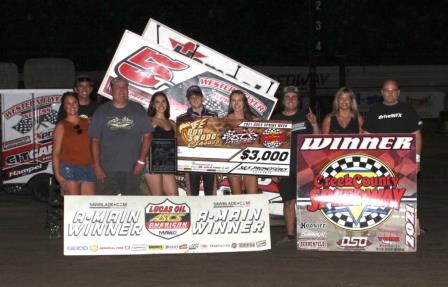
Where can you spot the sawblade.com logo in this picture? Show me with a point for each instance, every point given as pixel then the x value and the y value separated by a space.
pixel 167 219
pixel 356 192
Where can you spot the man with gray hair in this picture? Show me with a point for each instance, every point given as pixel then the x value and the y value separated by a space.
pixel 120 134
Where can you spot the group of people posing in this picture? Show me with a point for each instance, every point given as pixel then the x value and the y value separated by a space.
pixel 105 151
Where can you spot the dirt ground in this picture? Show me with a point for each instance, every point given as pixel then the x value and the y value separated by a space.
pixel 29 258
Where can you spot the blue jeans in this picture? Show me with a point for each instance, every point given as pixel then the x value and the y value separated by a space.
pixel 75 172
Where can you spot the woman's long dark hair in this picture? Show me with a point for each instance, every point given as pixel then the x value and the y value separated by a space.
pixel 63 113
pixel 152 110
pixel 248 115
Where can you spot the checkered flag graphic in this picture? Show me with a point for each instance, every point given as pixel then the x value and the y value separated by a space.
pixel 24 125
pixel 215 106
pixel 51 117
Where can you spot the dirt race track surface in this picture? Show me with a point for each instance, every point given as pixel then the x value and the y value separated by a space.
pixel 29 258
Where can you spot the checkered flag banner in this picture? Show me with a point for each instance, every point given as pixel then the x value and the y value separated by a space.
pixel 50 117
pixel 25 125
pixel 215 106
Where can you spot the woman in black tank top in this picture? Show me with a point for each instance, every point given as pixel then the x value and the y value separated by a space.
pixel 164 128
pixel 345 118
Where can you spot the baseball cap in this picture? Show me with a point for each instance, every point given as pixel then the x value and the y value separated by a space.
pixel 290 89
pixel 194 90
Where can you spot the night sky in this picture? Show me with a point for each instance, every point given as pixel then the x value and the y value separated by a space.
pixel 255 33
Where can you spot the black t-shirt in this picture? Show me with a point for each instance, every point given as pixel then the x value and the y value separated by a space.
pixel 399 118
pixel 300 125
pixel 84 111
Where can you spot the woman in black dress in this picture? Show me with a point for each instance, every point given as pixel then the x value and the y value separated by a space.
pixel 164 128
pixel 345 118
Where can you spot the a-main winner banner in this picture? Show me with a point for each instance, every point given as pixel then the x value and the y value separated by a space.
pixel 357 192
pixel 131 225
pixel 233 146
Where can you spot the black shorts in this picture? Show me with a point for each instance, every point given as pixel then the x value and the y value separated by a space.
pixel 288 188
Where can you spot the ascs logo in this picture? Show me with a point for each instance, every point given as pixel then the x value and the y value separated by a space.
pixel 167 219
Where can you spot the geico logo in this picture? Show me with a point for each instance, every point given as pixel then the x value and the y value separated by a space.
pixel 355 241
pixel 167 217
pixel 77 248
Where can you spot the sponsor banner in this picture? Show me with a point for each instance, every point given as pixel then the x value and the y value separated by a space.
pixel 357 192
pixel 118 225
pixel 231 146
pixel 150 68
pixel 28 120
pixel 172 40
pixel 162 157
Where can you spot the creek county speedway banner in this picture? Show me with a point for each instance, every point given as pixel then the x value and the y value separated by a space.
pixel 150 68
pixel 130 225
pixel 357 192
pixel 28 120
pixel 170 39
pixel 231 146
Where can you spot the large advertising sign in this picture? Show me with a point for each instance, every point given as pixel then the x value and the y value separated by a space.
pixel 131 225
pixel 150 68
pixel 232 146
pixel 28 120
pixel 357 192
pixel 170 39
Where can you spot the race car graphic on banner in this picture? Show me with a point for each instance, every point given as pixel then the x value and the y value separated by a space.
pixel 132 225
pixel 233 146
pixel 170 39
pixel 28 120
pixel 357 192
pixel 150 68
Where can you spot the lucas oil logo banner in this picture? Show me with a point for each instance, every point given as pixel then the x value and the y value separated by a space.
pixel 132 225
pixel 150 68
pixel 357 192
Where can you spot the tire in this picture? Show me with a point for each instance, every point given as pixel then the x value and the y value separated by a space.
pixel 39 186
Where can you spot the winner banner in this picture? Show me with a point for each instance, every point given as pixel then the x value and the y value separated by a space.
pixel 131 225
pixel 357 192
pixel 231 146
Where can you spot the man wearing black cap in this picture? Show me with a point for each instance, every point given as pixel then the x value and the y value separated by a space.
pixel 301 124
pixel 197 109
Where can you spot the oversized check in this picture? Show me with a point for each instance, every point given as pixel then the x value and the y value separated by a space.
pixel 231 146
pixel 132 225
pixel 357 192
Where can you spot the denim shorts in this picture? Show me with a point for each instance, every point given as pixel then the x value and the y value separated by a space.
pixel 74 172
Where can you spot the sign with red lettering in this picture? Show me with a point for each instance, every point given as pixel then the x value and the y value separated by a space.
pixel 150 68
pixel 170 39
pixel 357 192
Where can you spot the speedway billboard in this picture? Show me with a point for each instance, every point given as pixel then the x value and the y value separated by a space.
pixel 28 120
pixel 357 192
pixel 132 225
pixel 150 68
pixel 170 39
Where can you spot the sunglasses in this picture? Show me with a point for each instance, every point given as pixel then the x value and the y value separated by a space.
pixel 78 129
